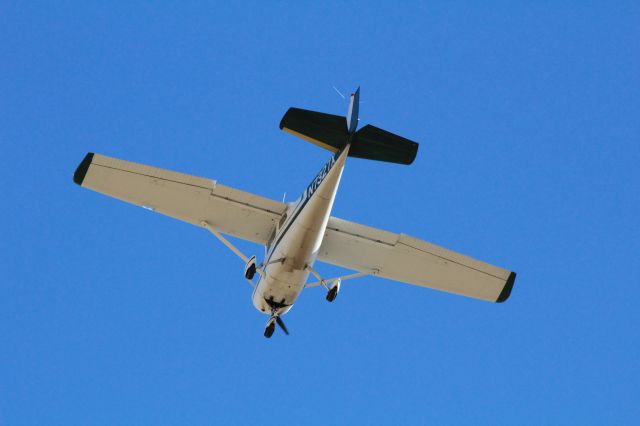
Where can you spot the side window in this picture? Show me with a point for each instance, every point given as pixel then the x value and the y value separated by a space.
pixel 282 220
pixel 271 239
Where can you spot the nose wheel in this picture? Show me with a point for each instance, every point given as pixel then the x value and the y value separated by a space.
pixel 270 328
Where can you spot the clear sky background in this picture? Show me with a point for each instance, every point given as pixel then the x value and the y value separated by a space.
pixel 528 123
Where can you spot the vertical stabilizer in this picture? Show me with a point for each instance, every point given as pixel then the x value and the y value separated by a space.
pixel 354 108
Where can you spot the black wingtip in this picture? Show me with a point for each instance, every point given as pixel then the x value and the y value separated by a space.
pixel 81 171
pixel 506 291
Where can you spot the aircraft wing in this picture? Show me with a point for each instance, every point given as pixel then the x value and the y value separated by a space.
pixel 181 196
pixel 400 257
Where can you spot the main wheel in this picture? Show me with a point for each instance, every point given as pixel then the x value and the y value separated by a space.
pixel 268 331
pixel 250 272
pixel 332 294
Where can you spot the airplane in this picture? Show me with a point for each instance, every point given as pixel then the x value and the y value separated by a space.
pixel 297 234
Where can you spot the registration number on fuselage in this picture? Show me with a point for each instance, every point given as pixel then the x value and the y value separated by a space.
pixel 315 183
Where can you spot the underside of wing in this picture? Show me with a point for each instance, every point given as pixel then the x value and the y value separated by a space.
pixel 181 196
pixel 406 259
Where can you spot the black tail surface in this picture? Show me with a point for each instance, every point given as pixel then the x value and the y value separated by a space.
pixel 330 132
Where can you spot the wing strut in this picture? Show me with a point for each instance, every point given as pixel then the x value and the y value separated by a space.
pixel 236 250
pixel 226 242
pixel 324 283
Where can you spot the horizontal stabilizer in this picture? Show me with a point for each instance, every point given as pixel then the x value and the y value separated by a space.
pixel 330 132
pixel 325 130
pixel 373 143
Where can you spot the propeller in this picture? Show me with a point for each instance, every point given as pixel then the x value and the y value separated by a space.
pixel 281 325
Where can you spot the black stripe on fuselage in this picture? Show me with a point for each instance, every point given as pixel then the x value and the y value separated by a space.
pixel 306 196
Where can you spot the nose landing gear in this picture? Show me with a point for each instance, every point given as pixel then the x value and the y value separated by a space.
pixel 275 317
pixel 270 328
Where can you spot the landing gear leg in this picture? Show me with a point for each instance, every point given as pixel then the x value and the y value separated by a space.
pixel 271 325
pixel 332 291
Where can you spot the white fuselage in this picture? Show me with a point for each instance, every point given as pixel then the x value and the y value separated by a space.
pixel 294 247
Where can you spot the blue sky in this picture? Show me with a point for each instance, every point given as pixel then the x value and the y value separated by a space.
pixel 527 116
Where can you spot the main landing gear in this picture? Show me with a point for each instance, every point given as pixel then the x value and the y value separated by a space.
pixel 250 268
pixel 333 290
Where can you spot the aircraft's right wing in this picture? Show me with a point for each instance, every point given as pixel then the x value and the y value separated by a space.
pixel 406 259
pixel 189 198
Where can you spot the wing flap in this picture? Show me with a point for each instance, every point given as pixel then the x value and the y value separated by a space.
pixel 403 258
pixel 185 197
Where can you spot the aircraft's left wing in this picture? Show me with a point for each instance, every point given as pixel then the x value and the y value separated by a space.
pixel 181 196
pixel 407 259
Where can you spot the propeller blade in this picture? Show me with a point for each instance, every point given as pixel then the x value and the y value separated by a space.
pixel 281 325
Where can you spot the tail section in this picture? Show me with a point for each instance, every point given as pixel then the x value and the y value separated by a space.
pixel 325 130
pixel 333 132
pixel 352 114
pixel 373 143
